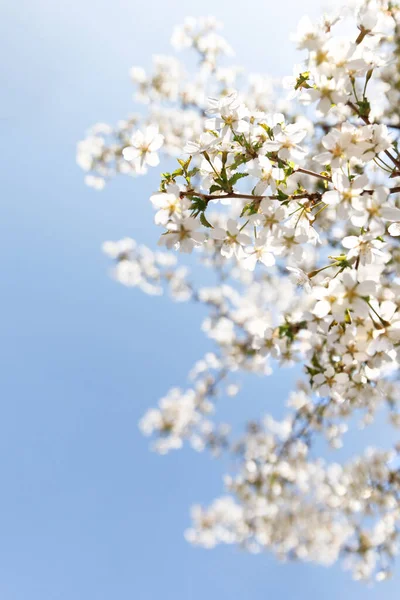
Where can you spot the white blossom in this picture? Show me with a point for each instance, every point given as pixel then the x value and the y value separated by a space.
pixel 292 204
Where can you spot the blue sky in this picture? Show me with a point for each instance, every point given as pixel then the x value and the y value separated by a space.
pixel 86 511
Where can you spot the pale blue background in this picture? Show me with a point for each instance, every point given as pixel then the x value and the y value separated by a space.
pixel 86 511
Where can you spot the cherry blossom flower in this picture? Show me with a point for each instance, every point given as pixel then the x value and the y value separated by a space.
pixel 345 190
pixel 143 148
pixel 182 235
pixel 286 143
pixel 233 240
pixel 169 204
pixel 266 173
pixel 365 247
pixel 259 252
pixel 329 380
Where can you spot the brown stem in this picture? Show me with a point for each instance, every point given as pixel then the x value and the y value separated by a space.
pixel 208 197
pixel 308 172
pixel 258 199
pixel 313 174
pixel 361 36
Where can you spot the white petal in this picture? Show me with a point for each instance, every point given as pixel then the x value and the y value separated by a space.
pixel 342 378
pixel 351 241
pixel 321 309
pixel 390 213
pixel 156 143
pixel 218 233
pixel 394 229
pixel 130 153
pixel 137 139
pixel 366 288
pixel 268 259
pixel 250 262
pixel 162 199
pixel 152 159
pixel 331 197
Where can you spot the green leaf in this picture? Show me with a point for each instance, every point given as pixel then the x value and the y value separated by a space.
pixel 239 160
pixel 248 209
pixel 235 178
pixel 312 371
pixel 204 221
pixel 268 130
pixel 364 107
pixel 198 204
pixel 301 81
pixel 184 163
pixel 219 181
pixel 281 195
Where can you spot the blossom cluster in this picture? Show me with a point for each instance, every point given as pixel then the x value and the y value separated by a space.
pixel 289 194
